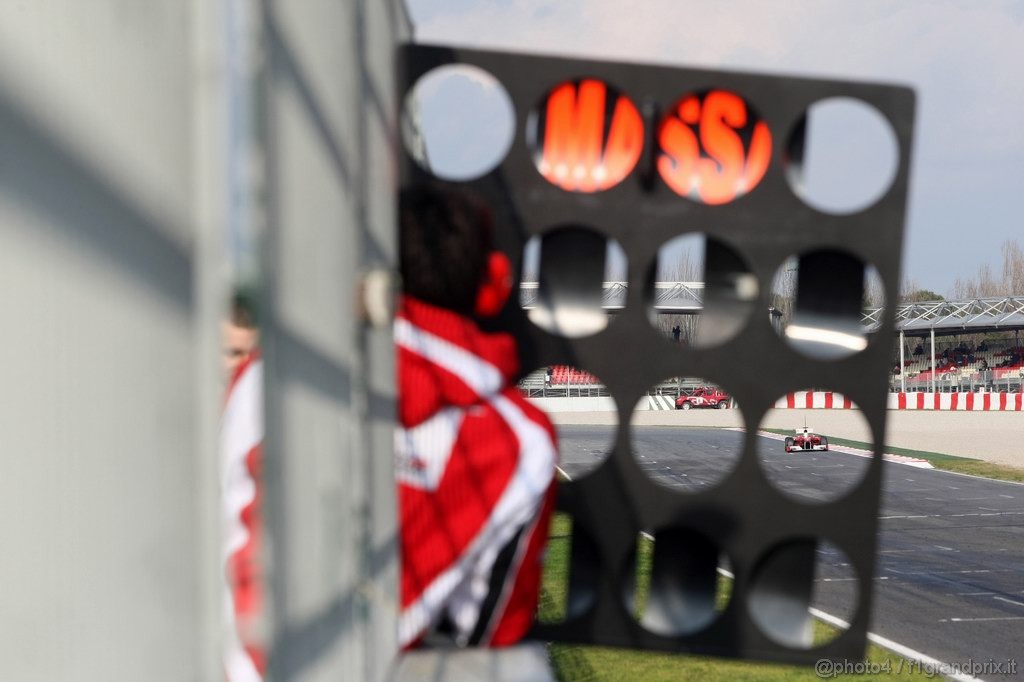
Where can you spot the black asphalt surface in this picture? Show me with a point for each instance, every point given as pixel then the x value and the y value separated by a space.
pixel 950 579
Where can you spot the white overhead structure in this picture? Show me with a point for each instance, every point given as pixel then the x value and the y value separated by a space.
pixel 1005 313
pixel 678 297
pixel 111 219
pixel 669 297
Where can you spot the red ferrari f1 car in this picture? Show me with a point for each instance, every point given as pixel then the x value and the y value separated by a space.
pixel 706 396
pixel 807 440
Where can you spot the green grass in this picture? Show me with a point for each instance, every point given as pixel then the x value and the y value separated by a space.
pixel 955 463
pixel 578 663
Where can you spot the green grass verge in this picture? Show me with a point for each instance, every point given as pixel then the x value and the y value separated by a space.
pixel 955 463
pixel 574 663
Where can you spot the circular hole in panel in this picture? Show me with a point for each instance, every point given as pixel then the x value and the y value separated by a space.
pixel 815 446
pixel 797 579
pixel 585 136
pixel 570 573
pixel 687 434
pixel 701 292
pixel 713 147
pixel 842 156
pixel 565 273
pixel 827 303
pixel 563 388
pixel 677 582
pixel 458 122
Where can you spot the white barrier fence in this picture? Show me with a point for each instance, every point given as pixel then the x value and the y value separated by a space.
pixel 816 400
pixel 989 402
pixel 574 404
pixel 827 400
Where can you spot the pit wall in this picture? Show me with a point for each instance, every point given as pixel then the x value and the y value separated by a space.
pixel 580 404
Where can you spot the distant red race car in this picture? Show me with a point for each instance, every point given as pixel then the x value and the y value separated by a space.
pixel 708 396
pixel 806 439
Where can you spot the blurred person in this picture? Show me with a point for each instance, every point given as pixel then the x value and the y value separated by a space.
pixel 475 461
pixel 240 336
pixel 242 430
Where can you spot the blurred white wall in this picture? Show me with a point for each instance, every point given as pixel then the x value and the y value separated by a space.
pixel 330 132
pixel 113 203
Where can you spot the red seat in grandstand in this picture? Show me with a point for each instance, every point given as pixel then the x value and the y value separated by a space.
pixel 562 374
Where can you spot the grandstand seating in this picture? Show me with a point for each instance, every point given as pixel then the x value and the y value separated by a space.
pixel 562 374
pixel 565 381
pixel 569 381
pixel 918 367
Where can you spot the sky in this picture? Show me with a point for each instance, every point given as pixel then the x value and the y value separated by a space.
pixel 963 57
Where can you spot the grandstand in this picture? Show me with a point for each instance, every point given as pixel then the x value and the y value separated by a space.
pixel 568 381
pixel 564 382
pixel 959 366
pixel 952 364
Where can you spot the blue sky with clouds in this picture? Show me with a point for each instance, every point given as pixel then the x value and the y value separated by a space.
pixel 963 57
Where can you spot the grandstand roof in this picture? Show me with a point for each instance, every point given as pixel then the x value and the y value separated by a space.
pixel 945 317
pixel 953 317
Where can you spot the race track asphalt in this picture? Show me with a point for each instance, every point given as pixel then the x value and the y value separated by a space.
pixel 950 579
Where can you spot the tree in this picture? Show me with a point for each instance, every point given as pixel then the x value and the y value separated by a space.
pixel 783 297
pixel 911 292
pixel 683 261
pixel 920 296
pixel 985 284
pixel 1013 268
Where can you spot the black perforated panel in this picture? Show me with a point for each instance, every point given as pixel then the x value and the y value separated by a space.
pixel 744 516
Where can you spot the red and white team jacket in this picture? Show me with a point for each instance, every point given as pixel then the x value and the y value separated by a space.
pixel 241 486
pixel 475 468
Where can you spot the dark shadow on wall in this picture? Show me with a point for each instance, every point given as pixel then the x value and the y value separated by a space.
pixel 308 640
pixel 304 645
pixel 84 208
pixel 288 71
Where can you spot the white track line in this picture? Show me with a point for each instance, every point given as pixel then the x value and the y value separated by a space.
pixel 1009 601
pixel 941 471
pixel 906 652
pixel 905 460
pixel 978 478
pixel 885 643
pixel 979 620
